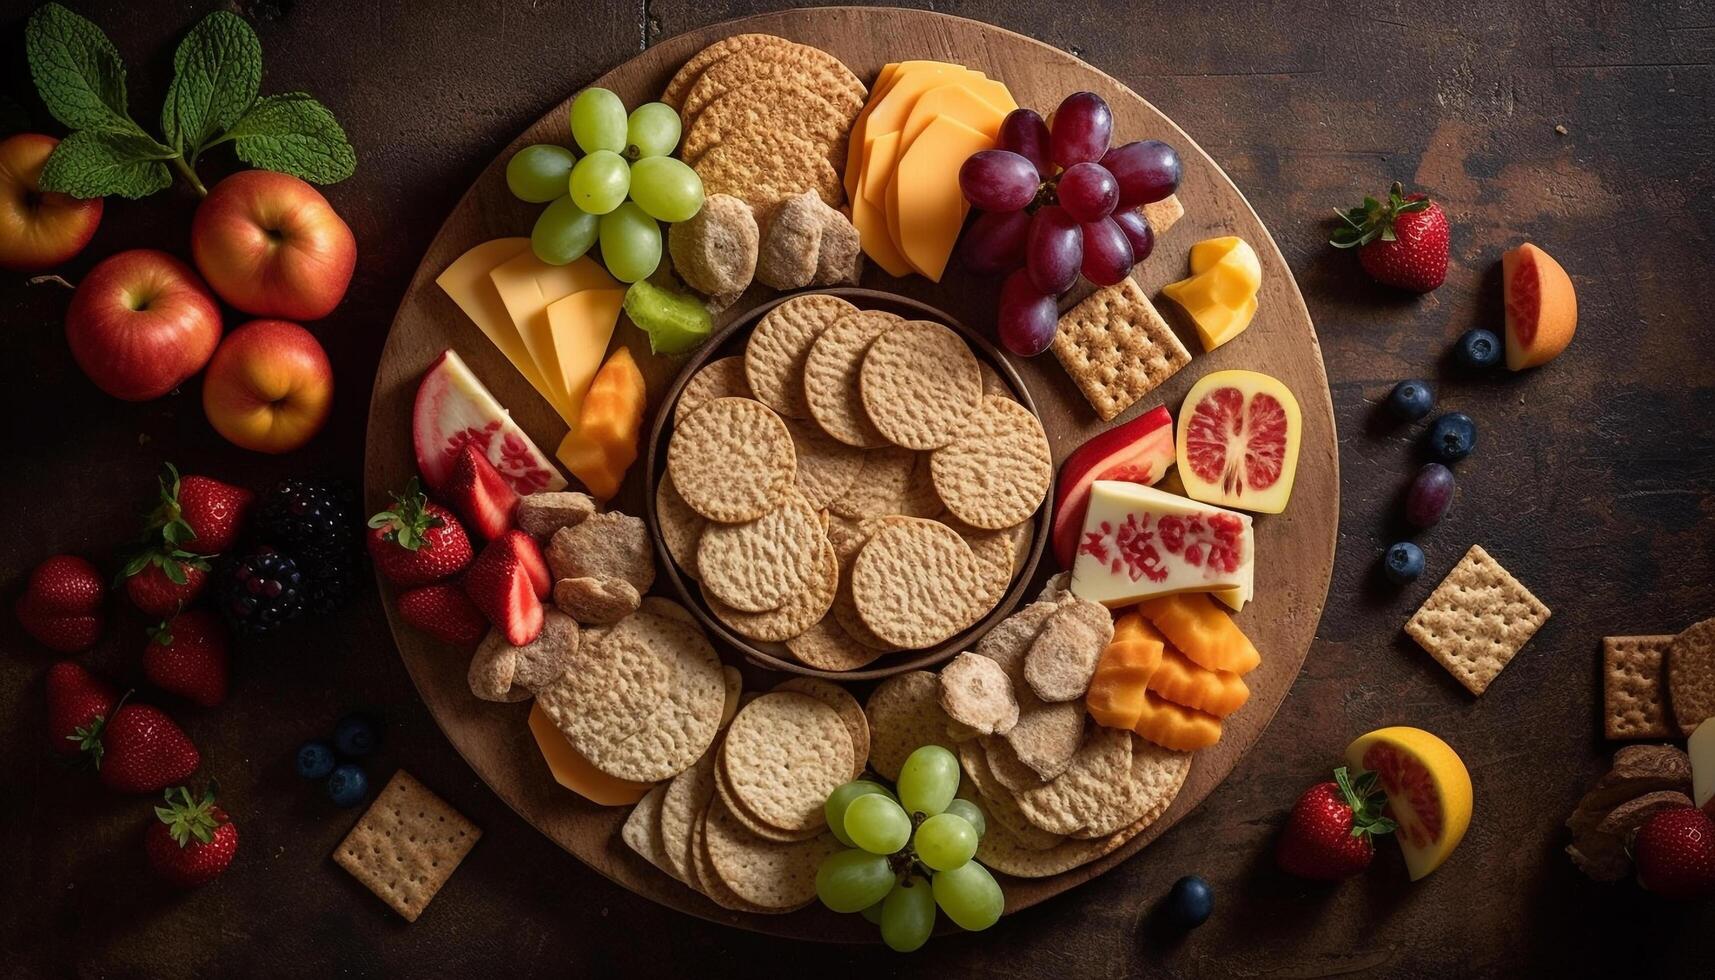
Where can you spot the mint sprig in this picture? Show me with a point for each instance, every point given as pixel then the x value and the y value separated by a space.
pixel 217 74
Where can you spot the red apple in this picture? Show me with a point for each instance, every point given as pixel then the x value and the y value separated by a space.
pixel 269 387
pixel 272 246
pixel 140 323
pixel 38 230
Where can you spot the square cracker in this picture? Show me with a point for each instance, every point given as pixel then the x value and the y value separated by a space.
pixel 1634 691
pixel 406 845
pixel 1476 620
pixel 1163 214
pixel 1117 347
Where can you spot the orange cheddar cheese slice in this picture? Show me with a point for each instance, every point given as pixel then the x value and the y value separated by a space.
pixel 581 326
pixel 1213 692
pixel 958 99
pixel 1116 694
pixel 930 206
pixel 1202 631
pixel 871 220
pixel 468 283
pixel 575 772
pixel 1176 727
pixel 527 287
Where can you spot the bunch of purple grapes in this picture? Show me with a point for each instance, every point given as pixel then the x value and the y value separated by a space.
pixel 1055 201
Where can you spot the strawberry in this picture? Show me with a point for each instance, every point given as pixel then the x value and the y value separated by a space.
pixel 417 542
pixel 61 604
pixel 535 563
pixel 1675 854
pixel 502 582
pixel 1327 837
pixel 199 510
pixel 140 750
pixel 160 583
pixel 444 612
pixel 78 706
pixel 192 841
pixel 186 656
pixel 1400 243
pixel 480 494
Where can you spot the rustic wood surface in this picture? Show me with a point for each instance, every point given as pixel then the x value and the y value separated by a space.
pixel 1592 485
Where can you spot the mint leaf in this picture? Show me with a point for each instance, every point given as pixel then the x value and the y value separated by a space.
pixel 77 70
pixel 97 163
pixel 293 134
pixel 13 118
pixel 216 73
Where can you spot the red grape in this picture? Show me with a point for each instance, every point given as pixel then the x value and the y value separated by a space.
pixel 1024 133
pixel 1027 318
pixel 1080 130
pixel 1430 495
pixel 1107 252
pixel 1137 232
pixel 998 180
pixel 994 243
pixel 1054 250
pixel 1147 171
pixel 1088 192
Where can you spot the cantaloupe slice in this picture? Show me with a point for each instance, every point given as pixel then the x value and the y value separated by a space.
pixel 1541 307
pixel 1202 631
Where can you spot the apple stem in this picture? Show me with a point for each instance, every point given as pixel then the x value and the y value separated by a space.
pixel 45 280
pixel 188 174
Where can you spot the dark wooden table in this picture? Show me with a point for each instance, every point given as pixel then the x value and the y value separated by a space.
pixel 1584 129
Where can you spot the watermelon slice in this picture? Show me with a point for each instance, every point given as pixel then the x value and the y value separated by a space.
pixel 1140 451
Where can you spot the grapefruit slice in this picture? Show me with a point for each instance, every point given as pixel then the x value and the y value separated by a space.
pixel 1140 451
pixel 1238 441
pixel 1428 791
pixel 1541 307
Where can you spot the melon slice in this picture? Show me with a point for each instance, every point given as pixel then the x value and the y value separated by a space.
pixel 1541 307
pixel 1238 441
pixel 454 409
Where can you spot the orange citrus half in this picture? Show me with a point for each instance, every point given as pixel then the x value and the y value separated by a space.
pixel 1428 791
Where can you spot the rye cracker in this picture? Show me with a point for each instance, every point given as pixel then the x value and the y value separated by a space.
pixel 716 250
pixel 721 378
pixel 999 804
pixel 596 601
pixel 1117 348
pixel 778 347
pixel 406 845
pixel 904 714
pixel 681 527
pixel 799 64
pixel 732 460
pixel 997 469
pixel 642 830
pixel 832 377
pixel 919 381
pixel 771 875
pixel 1476 620
pixel 792 617
pixel 1691 676
pixel 827 468
pixel 893 481
pixel 915 583
pixel 758 565
pixel 783 754
pixel 846 706
pixel 827 646
pixel 1634 687
pixel 977 693
pixel 765 169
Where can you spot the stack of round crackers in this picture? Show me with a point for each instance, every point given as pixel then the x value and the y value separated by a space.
pixel 766 119
pixel 853 484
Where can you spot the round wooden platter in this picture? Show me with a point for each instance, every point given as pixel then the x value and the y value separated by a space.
pixel 1296 548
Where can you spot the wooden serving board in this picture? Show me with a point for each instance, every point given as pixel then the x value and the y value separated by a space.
pixel 1296 548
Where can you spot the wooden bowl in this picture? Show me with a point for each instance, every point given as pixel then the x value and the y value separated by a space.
pixel 774 656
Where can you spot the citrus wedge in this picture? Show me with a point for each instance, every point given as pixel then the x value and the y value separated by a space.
pixel 1428 791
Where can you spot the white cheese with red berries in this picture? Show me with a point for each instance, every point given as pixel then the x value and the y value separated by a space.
pixel 1139 542
pixel 1701 748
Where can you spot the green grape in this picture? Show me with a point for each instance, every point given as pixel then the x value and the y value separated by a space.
pixel 972 813
pixel 908 915
pixel 840 798
pixel 877 824
pixel 969 896
pixel 945 841
pixel 873 912
pixel 652 131
pixel 630 243
pixel 666 188
pixel 598 120
pixel 538 173
pixel 563 232
pixel 853 880
pixel 600 182
pixel 928 780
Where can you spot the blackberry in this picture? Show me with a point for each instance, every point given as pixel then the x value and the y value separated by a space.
pixel 311 519
pixel 261 592
pixel 330 579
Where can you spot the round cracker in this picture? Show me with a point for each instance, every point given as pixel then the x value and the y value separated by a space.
pixel 1691 675
pixel 893 481
pixel 996 556
pixel 764 169
pixel 722 378
pixel 919 381
pixel 703 869
pixel 904 714
pixel 998 802
pixel 993 383
pixel 681 527
pixel 732 460
pixel 1094 795
pixel 1004 852
pixel 783 755
pixel 832 377
pixel 764 110
pixel 774 355
pixel 808 66
pixel 759 565
pixel 915 583
pixel 682 81
pixel 850 712
pixel 765 873
pixel 827 646
pixel 827 468
pixel 798 613
pixel 682 806
pixel 750 821
pixel 997 468
pixel 977 693
pixel 643 701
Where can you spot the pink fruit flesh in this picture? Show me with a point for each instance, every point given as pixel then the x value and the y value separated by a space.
pixel 1407 784
pixel 1235 444
pixel 1139 451
pixel 453 409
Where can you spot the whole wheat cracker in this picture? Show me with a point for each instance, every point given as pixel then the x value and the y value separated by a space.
pixel 783 754
pixel 766 108
pixel 1162 215
pixel 796 614
pixel 919 382
pixel 1048 734
pixel 682 805
pixel 765 873
pixel 1094 794
pixel 846 706
pixel 997 469
pixel 827 468
pixel 1476 620
pixel 406 845
pixel 681 527
pixel 719 378
pixel 904 714
pixel 1117 348
pixel 999 804
pixel 758 565
pixel 779 345
pixel 1634 687
pixel 749 820
pixel 839 256
pixel 827 646
pixel 764 170
pixel 893 482
pixel 732 460
pixel 642 830
pixel 1006 768
pixel 977 693
pixel 682 81
pixel 915 583
pixel 799 64
pixel 1691 676
pixel 832 377
pixel 709 882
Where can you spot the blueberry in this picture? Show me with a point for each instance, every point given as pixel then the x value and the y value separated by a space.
pixel 1411 400
pixel 315 759
pixel 357 734
pixel 1452 437
pixel 1403 563
pixel 347 785
pixel 1479 349
pixel 1190 902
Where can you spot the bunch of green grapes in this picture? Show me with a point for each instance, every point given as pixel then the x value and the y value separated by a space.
pixel 625 183
pixel 909 853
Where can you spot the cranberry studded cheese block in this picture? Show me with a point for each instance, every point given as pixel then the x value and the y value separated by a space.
pixel 1140 542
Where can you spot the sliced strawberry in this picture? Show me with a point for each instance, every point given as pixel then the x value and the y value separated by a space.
pixel 530 555
pixel 444 612
pixel 503 586
pixel 480 495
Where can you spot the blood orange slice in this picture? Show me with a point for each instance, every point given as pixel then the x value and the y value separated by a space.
pixel 1238 441
pixel 1428 791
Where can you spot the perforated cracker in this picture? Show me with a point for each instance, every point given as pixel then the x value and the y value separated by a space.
pixel 720 378
pixel 832 377
pixel 765 873
pixel 827 646
pixel 758 565
pixel 1634 687
pixel 797 613
pixel 1476 620
pixel 915 583
pixel 681 527
pixel 406 845
pixel 977 693
pixel 904 714
pixel 995 557
pixel 783 754
pixel 827 468
pixel 1117 348
pixel 778 347
pixel 919 381
pixel 732 460
pixel 846 706
pixel 763 169
pixel 997 469
pixel 1691 676
pixel 800 64
pixel 604 546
